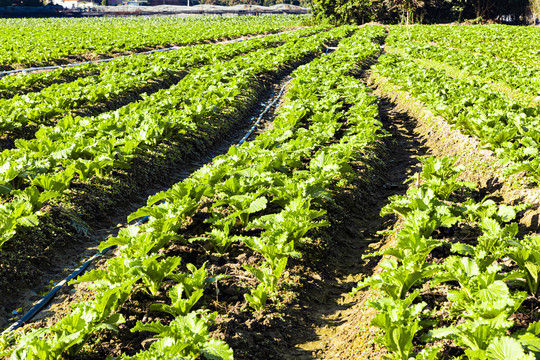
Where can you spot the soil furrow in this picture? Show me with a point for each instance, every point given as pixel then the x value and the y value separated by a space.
pixel 401 154
pixel 329 314
pixel 318 320
pixel 342 329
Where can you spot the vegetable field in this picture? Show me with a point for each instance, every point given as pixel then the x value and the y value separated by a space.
pixel 28 42
pixel 266 188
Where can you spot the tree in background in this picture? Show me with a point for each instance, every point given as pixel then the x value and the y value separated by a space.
pixel 437 11
pixel 21 3
pixel 458 7
pixel 423 11
pixel 362 11
pixel 345 11
pixel 483 8
pixel 406 8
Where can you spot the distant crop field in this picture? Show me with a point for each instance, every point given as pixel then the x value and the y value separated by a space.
pixel 46 41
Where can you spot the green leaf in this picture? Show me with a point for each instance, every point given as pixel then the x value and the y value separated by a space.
pixel 495 291
pixel 47 195
pixel 116 319
pixel 530 341
pixel 506 348
pixel 429 353
pixel 217 350
pixel 155 327
pixel 257 205
pixel 5 189
pixel 29 220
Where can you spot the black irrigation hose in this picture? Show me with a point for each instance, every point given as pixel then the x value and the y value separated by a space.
pixel 45 300
pixel 262 114
pixel 41 303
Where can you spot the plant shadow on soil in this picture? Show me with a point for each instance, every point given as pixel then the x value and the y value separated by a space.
pixel 319 321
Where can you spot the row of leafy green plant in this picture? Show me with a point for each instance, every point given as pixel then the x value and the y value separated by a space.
pixel 114 79
pixel 517 76
pixel 275 185
pixel 163 62
pixel 518 44
pixel 42 41
pixel 465 289
pixel 11 85
pixel 506 126
pixel 202 103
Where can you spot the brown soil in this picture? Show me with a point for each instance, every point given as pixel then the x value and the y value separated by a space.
pixel 7 139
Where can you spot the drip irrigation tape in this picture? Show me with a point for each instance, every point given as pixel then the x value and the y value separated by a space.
pixel 56 67
pixel 41 303
pixel 45 300
pixel 25 71
pixel 262 114
pixel 333 48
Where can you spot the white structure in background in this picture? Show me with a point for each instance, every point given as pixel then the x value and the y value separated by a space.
pixel 73 4
pixel 82 4
pixel 170 7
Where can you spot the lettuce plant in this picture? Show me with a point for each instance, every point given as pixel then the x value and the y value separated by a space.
pixel 186 336
pixel 526 254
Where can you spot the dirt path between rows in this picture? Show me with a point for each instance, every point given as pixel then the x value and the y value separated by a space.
pixel 335 319
pixel 334 325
